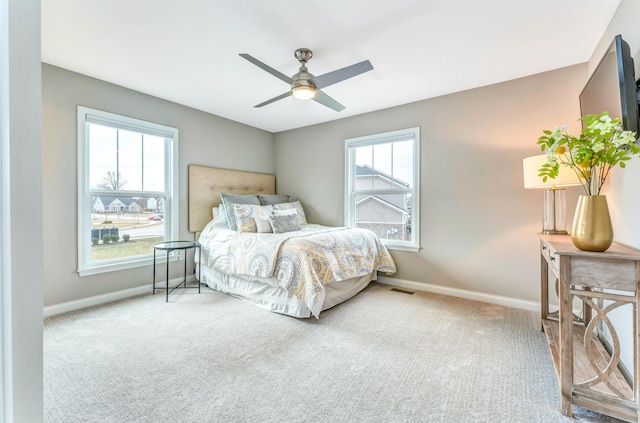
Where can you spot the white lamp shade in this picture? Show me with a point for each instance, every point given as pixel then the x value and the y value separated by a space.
pixel 531 168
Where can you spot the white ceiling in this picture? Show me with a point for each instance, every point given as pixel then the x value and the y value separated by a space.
pixel 187 51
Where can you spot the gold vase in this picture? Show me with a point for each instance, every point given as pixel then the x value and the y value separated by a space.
pixel 592 229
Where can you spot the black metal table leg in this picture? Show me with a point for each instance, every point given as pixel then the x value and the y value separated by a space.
pixel 154 271
pixel 167 289
pixel 184 280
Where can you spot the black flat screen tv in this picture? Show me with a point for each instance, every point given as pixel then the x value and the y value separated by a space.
pixel 612 87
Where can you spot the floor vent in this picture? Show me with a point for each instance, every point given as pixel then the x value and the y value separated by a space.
pixel 404 291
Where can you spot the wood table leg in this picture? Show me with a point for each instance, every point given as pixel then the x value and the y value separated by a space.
pixel 544 290
pixel 566 337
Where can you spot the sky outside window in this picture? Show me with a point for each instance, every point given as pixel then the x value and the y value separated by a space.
pixel 399 164
pixel 139 158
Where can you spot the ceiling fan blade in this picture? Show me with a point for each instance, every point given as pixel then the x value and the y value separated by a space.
pixel 328 101
pixel 280 97
pixel 336 76
pixel 267 68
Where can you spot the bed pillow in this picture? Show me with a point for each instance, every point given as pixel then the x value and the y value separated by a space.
pixel 245 216
pixel 286 223
pixel 229 199
pixel 220 218
pixel 295 205
pixel 287 212
pixel 262 224
pixel 266 199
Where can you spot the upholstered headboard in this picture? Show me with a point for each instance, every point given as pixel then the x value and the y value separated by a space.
pixel 206 184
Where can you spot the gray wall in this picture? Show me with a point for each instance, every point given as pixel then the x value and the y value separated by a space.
pixel 204 139
pixel 478 223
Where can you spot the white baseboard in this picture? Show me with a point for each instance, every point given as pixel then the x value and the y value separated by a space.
pixel 461 293
pixel 402 283
pixel 106 298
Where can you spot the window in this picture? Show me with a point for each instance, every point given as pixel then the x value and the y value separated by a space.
pixel 382 186
pixel 127 190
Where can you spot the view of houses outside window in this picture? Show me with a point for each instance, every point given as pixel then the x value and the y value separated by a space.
pixel 381 185
pixel 137 222
pixel 388 215
pixel 127 168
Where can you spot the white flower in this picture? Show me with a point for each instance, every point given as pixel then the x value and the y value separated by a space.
pixel 597 146
pixel 628 137
pixel 603 127
pixel 617 140
pixel 623 138
pixel 558 133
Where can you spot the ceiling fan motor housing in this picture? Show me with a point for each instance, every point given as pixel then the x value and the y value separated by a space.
pixel 302 78
pixel 301 87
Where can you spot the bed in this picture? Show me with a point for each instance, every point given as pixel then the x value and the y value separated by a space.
pixel 299 271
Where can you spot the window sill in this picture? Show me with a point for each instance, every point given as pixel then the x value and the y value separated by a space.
pixel 123 265
pixel 398 247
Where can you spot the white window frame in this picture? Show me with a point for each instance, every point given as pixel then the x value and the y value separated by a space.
pixel 350 182
pixel 85 114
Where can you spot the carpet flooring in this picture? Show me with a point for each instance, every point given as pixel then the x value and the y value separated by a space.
pixel 383 356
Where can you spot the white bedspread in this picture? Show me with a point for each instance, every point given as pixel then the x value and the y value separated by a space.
pixel 302 262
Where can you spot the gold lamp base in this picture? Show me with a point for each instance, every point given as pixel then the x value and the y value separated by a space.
pixel 554 232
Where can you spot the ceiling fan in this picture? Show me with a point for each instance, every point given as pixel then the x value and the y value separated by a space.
pixel 306 86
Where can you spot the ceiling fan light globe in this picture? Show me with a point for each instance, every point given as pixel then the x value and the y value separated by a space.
pixel 303 92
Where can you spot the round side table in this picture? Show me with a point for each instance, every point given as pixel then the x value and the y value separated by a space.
pixel 170 246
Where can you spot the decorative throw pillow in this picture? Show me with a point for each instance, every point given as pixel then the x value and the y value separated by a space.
pixel 262 224
pixel 282 224
pixel 295 205
pixel 272 199
pixel 246 213
pixel 229 199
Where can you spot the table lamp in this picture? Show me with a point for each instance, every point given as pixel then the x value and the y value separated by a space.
pixel 554 219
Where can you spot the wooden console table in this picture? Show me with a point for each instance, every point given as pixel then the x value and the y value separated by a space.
pixel 589 375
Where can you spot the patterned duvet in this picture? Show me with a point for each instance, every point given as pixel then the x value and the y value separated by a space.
pixel 302 262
